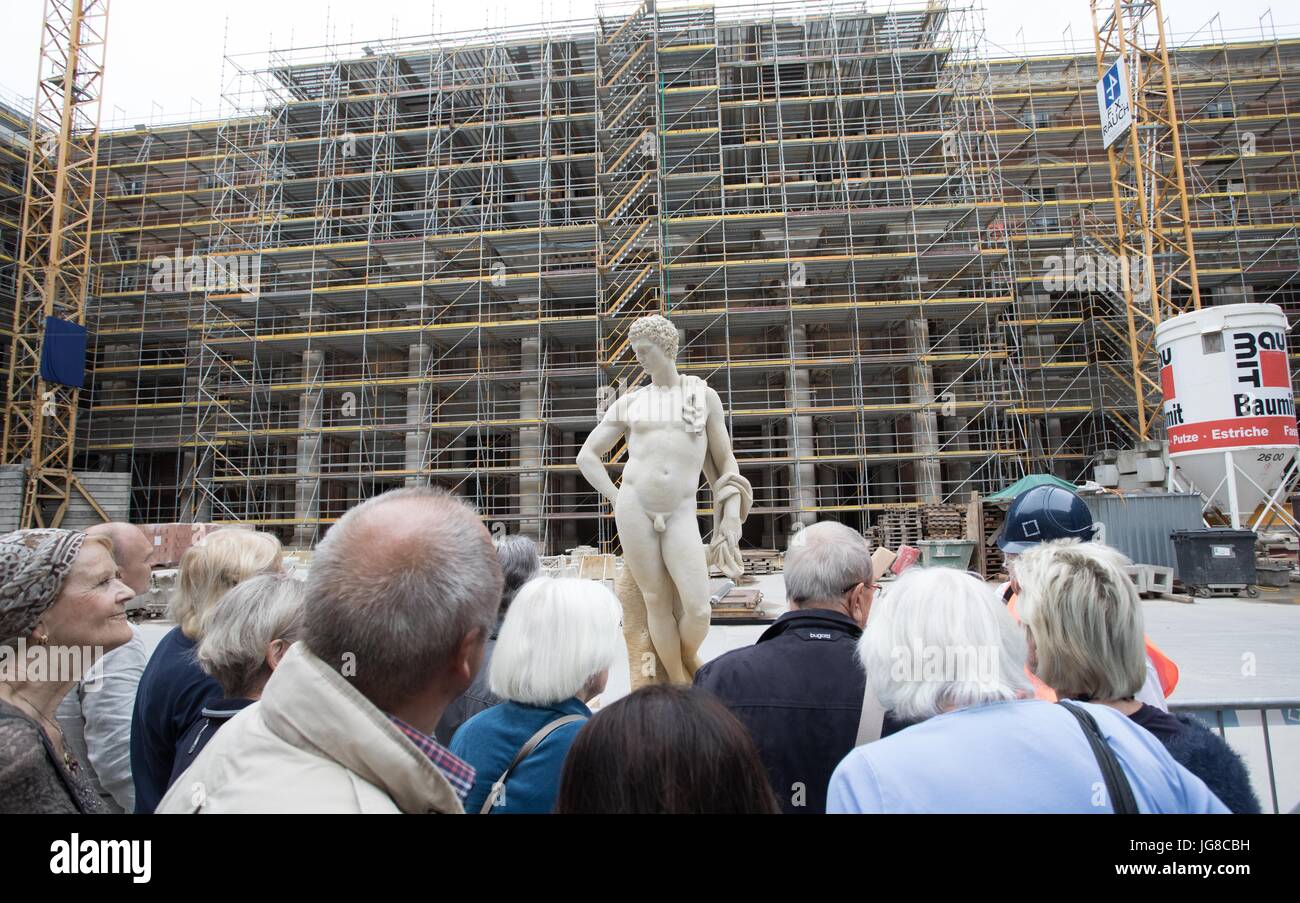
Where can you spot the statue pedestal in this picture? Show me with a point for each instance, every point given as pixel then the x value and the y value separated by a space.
pixel 643 665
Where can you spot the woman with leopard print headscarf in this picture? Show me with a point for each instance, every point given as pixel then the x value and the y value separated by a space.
pixel 62 606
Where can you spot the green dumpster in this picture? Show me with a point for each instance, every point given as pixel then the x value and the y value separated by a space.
pixel 947 553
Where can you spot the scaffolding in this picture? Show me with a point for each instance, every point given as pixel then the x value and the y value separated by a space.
pixel 15 126
pixel 849 210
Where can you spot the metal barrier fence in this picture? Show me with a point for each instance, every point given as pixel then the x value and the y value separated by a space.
pixel 1219 712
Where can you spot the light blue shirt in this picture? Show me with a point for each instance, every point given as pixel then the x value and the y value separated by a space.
pixel 95 718
pixel 1022 756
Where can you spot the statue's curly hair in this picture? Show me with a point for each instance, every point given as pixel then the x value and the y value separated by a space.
pixel 659 330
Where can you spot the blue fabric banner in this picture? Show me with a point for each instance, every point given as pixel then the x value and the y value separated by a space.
pixel 63 353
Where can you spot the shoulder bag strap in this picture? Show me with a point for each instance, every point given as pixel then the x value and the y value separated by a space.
pixel 872 721
pixel 524 752
pixel 1118 788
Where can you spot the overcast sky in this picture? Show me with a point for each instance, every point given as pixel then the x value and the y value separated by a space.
pixel 165 58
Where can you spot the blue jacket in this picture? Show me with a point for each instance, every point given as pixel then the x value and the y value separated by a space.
pixel 799 691
pixel 1025 756
pixel 172 693
pixel 490 740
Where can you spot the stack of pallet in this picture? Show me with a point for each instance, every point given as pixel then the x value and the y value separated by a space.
pixel 943 521
pixel 11 496
pixel 875 536
pixel 993 560
pixel 762 561
pixel 899 527
pixel 111 491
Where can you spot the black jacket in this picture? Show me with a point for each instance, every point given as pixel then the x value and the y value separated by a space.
pixel 477 698
pixel 1205 754
pixel 799 691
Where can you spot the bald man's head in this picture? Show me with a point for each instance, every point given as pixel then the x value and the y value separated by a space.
pixel 132 551
pixel 395 588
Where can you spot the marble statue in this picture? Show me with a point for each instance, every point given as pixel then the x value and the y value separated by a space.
pixel 675 429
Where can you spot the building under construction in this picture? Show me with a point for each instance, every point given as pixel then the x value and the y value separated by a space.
pixel 15 125
pixel 851 214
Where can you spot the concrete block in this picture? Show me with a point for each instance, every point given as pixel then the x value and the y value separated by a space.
pixel 1162 579
pixel 1127 461
pixel 1107 475
pixel 1151 470
pixel 1141 576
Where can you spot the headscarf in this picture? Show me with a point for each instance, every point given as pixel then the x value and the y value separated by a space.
pixel 34 564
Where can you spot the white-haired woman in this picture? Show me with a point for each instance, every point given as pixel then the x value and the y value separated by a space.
pixel 174 689
pixel 244 639
pixel 557 643
pixel 940 649
pixel 1083 621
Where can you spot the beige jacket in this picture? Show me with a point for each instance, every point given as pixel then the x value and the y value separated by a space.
pixel 312 744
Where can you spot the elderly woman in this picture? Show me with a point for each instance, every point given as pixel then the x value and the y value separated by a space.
pixel 62 604
pixel 174 689
pixel 1084 624
pixel 246 636
pixel 940 649
pixel 519 564
pixel 553 656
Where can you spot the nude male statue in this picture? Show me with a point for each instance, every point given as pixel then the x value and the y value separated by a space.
pixel 675 428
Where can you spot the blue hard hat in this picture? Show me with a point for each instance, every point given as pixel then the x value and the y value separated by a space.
pixel 1043 514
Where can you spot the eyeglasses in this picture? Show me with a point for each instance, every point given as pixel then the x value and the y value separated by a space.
pixel 849 589
pixel 843 592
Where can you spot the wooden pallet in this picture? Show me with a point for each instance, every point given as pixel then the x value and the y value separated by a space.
pixel 739 603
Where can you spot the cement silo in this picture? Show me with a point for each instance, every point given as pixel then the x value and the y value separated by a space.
pixel 1228 403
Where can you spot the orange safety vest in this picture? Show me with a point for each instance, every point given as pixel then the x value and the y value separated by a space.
pixel 1166 670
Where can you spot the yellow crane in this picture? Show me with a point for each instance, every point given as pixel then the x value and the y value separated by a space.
pixel 54 265
pixel 1153 228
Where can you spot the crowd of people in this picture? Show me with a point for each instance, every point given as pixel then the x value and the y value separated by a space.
pixel 422 667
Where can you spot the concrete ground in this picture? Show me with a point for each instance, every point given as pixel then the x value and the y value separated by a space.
pixel 1227 651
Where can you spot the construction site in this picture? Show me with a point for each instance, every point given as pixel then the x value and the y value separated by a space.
pixel 417 261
